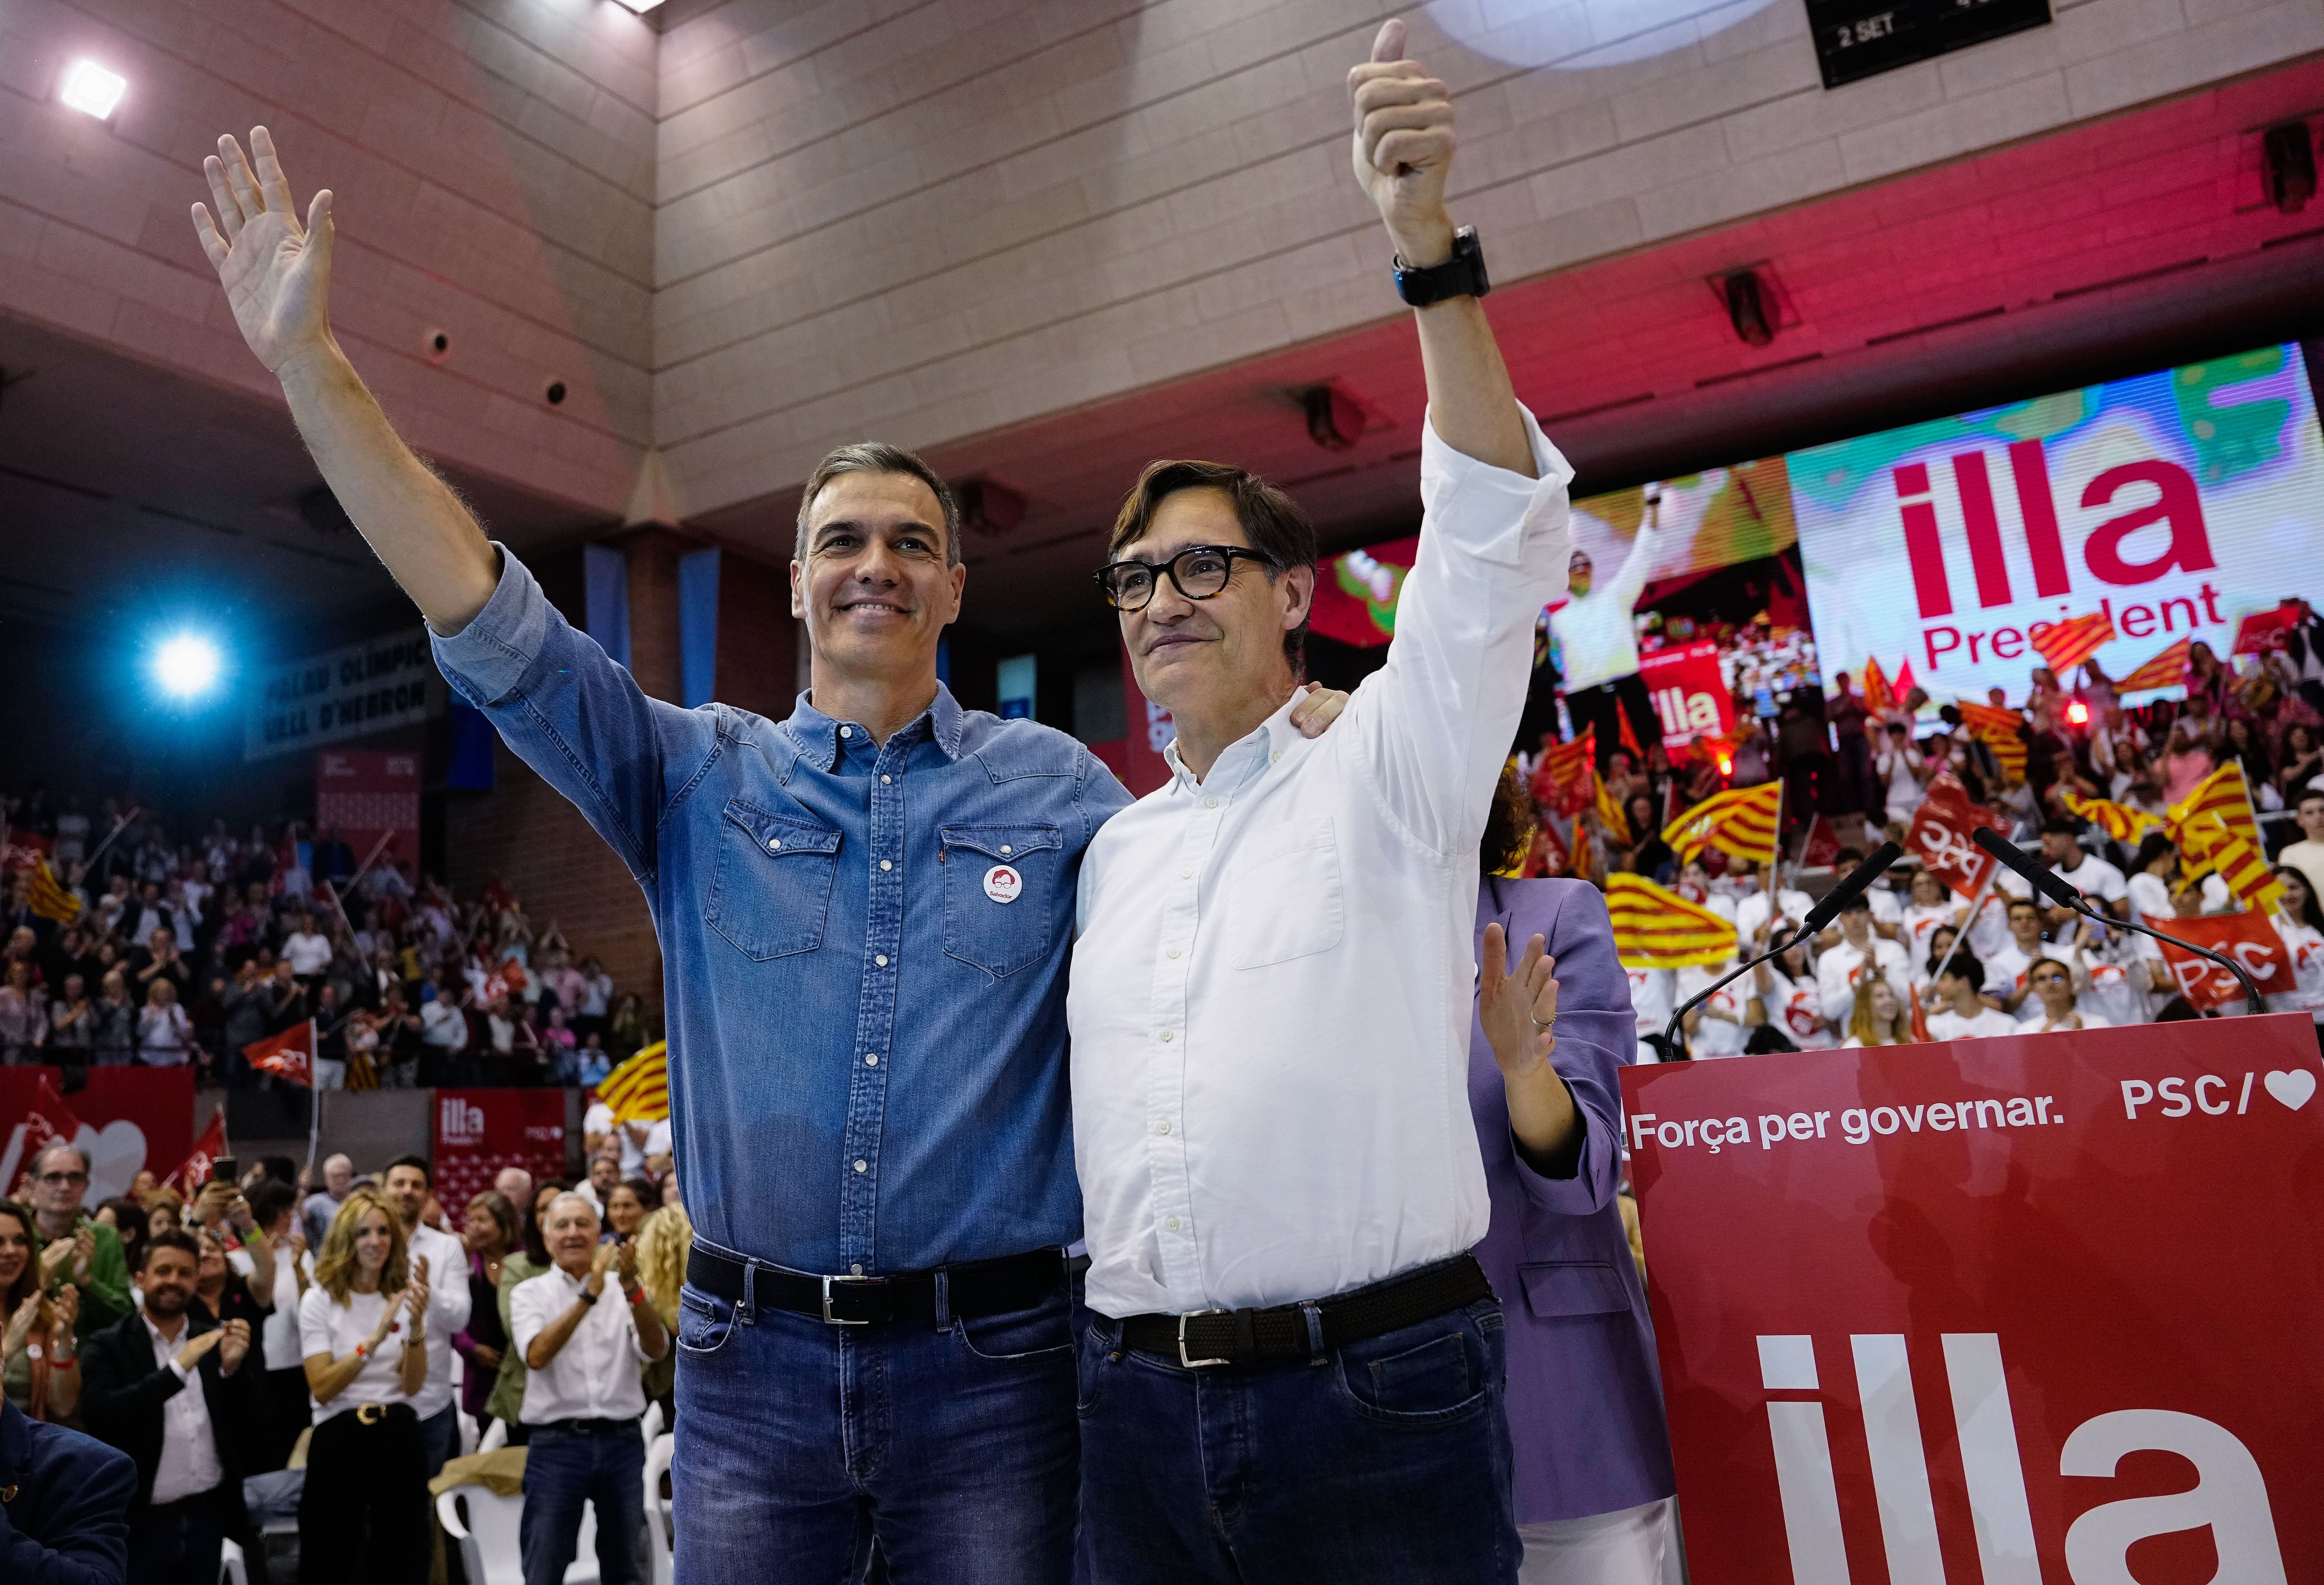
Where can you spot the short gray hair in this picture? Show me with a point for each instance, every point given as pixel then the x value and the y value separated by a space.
pixel 879 457
pixel 75 1151
pixel 582 1200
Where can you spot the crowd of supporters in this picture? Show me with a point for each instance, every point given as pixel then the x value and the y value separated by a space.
pixel 126 945
pixel 1913 964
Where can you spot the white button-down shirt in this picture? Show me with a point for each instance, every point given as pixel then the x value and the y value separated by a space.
pixel 189 1462
pixel 595 1376
pixel 447 1310
pixel 1271 985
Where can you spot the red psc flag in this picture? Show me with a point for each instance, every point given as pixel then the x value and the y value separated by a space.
pixel 195 1170
pixel 2247 938
pixel 1940 837
pixel 288 1055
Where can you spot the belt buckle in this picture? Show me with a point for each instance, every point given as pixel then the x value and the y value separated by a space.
pixel 370 1413
pixel 831 1320
pixel 1195 1364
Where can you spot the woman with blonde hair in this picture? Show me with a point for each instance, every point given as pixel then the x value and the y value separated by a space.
pixel 1879 1016
pixel 362 1329
pixel 663 1239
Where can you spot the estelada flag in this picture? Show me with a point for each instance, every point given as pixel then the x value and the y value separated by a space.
pixel 638 1090
pixel 195 1170
pixel 2067 644
pixel 2224 793
pixel 1561 782
pixel 2247 938
pixel 1740 822
pixel 1820 850
pixel 2119 821
pixel 1940 838
pixel 1658 929
pixel 288 1055
pixel 2165 669
pixel 1879 699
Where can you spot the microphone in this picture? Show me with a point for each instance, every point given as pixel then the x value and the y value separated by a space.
pixel 2062 892
pixel 1819 916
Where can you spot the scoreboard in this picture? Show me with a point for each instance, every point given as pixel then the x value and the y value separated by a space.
pixel 1858 39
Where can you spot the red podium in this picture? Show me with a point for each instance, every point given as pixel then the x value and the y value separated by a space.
pixel 2035 1309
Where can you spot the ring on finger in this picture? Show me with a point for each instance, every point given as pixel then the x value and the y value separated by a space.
pixel 1546 1023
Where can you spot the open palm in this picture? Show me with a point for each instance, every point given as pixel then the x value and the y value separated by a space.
pixel 275 271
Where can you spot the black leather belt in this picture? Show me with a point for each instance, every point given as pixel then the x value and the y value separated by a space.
pixel 1308 1330
pixel 588 1427
pixel 976 1288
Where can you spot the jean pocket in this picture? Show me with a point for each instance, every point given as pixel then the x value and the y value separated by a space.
pixel 1005 895
pixel 770 890
pixel 1093 1359
pixel 1418 1385
pixel 704 1323
pixel 1039 1333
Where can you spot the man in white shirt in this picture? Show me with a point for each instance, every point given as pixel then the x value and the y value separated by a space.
pixel 446 1262
pixel 1271 991
pixel 1966 1015
pixel 2096 880
pixel 2307 854
pixel 1758 914
pixel 166 1387
pixel 305 949
pixel 583 1397
pixel 339 1177
pixel 2004 985
pixel 1843 963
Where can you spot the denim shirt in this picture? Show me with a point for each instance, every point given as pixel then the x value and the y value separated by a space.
pixel 867 1041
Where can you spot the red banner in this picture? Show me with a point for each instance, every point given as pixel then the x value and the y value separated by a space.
pixel 195 1169
pixel 364 797
pixel 126 1119
pixel 478 1131
pixel 2247 938
pixel 1688 693
pixel 1940 837
pixel 1990 1309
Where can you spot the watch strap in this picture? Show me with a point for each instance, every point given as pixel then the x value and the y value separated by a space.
pixel 1461 275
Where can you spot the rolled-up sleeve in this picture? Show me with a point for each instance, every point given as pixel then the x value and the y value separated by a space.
pixel 1597 1036
pixel 489 657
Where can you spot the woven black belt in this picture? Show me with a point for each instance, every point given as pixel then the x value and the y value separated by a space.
pixel 1304 1332
pixel 976 1288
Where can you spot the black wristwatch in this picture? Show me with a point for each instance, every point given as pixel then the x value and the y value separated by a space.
pixel 586 1297
pixel 1461 275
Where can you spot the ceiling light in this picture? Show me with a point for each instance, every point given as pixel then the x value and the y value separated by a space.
pixel 642 6
pixel 187 665
pixel 90 89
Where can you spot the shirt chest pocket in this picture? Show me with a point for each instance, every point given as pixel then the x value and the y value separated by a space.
pixel 771 889
pixel 1287 905
pixel 1003 894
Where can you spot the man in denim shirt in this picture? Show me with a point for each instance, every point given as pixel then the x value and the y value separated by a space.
pixel 864 913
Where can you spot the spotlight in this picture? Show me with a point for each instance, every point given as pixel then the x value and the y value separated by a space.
pixel 2077 713
pixel 187 665
pixel 91 89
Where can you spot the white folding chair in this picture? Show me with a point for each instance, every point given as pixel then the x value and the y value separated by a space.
pixel 496 1437
pixel 650 1425
pixel 661 1528
pixel 488 1536
pixel 230 1565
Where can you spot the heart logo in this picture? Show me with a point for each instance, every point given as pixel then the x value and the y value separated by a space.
pixel 117 1154
pixel 2293 1088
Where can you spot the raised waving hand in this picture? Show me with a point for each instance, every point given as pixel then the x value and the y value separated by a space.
pixel 276 271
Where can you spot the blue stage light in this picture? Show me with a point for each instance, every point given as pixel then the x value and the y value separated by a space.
pixel 188 665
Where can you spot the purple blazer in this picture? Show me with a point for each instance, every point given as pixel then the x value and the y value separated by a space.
pixel 1585 1396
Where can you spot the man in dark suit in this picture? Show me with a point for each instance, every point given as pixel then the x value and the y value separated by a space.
pixel 64 1505
pixel 189 1447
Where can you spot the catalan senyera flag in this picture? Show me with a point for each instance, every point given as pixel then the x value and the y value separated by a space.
pixel 2119 821
pixel 2008 750
pixel 1981 719
pixel 638 1090
pixel 1610 813
pixel 1741 822
pixel 1879 699
pixel 2208 843
pixel 1659 929
pixel 2225 793
pixel 2166 670
pixel 2067 644
pixel 1561 782
pixel 47 896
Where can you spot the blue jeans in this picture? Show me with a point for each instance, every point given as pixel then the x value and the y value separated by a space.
pixel 1387 1460
pixel 564 1469
pixel 797 1443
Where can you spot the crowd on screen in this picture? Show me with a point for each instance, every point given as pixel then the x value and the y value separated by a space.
pixel 1901 969
pixel 171 952
pixel 275 1349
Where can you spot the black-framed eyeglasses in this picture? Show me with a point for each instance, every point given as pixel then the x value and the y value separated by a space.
pixel 64 1177
pixel 1199 572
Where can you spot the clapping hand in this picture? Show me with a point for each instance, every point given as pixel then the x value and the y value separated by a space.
pixel 415 1299
pixel 625 1262
pixel 196 1347
pixel 1516 1010
pixel 64 1311
pixel 598 1263
pixel 233 1345
pixel 27 1316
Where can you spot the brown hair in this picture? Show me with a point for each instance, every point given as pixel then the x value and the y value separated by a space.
pixel 336 1264
pixel 879 457
pixel 28 1281
pixel 1508 825
pixel 1271 520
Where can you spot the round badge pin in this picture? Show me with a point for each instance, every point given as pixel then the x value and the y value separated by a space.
pixel 1001 884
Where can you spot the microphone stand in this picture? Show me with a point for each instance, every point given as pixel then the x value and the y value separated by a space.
pixel 1668 1040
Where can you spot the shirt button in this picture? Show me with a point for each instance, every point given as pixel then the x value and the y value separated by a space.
pixel 1172 1223
pixel 887 864
pixel 862 1165
pixel 1186 874
pixel 1275 756
pixel 870 1059
pixel 1210 804
pixel 1166 1037
pixel 847 732
pixel 880 959
pixel 774 843
pixel 1162 1127
pixel 1173 951
pixel 885 780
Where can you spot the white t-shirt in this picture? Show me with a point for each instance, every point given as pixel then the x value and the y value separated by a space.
pixel 279 1334
pixel 443 1025
pixel 1837 972
pixel 2307 949
pixel 1751 913
pixel 2005 976
pixel 1715 1036
pixel 1651 1002
pixel 1918 925
pixel 1905 794
pixel 657 1139
pixel 2088 1021
pixel 306 952
pixel 1948 1024
pixel 329 1328
pixel 1796 1008
pixel 2095 877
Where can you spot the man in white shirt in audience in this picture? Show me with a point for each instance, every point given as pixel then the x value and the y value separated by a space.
pixel 1759 914
pixel 2005 971
pixel 408 1181
pixel 1843 963
pixel 2096 880
pixel 583 1349
pixel 339 1177
pixel 1965 1015
pixel 2307 854
pixel 1271 993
